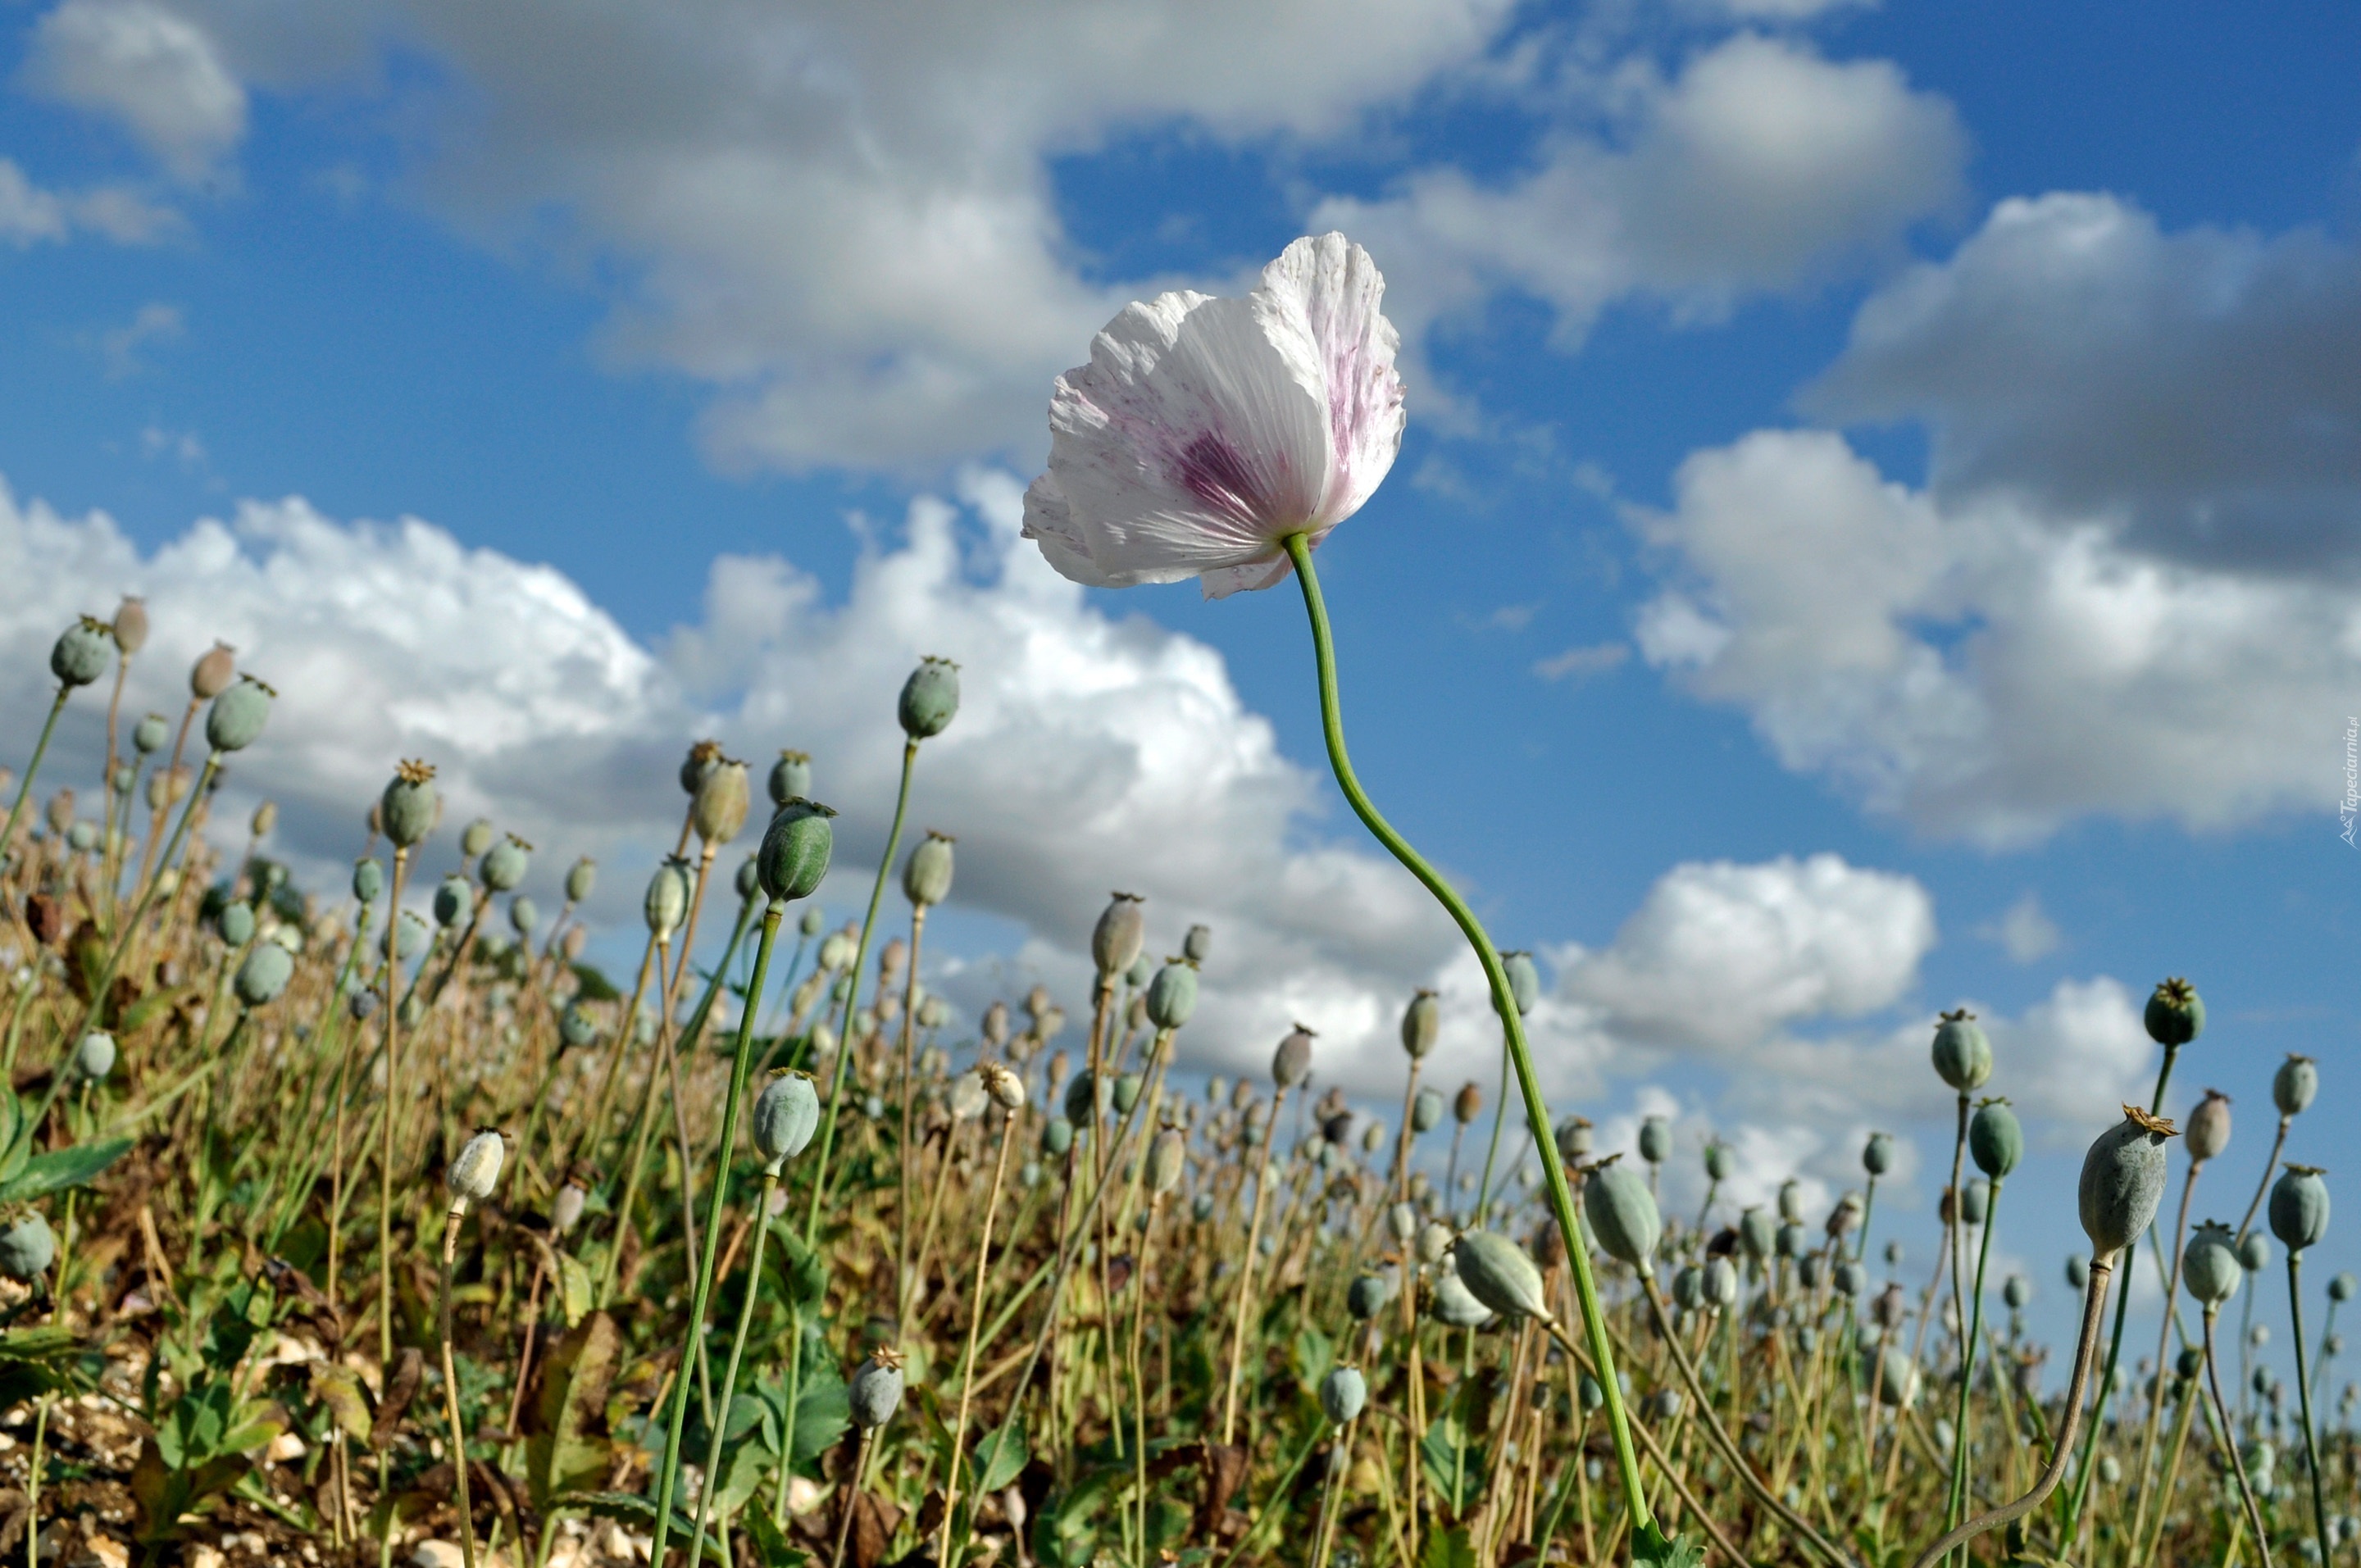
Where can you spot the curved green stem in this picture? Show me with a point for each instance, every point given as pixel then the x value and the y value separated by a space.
pixel 33 768
pixel 730 1374
pixel 1968 1364
pixel 2303 1392
pixel 1593 1320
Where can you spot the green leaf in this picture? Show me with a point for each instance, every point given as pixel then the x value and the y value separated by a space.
pixel 1315 1353
pixel 1651 1549
pixel 1439 1450
pixel 576 1291
pixel 823 1410
pixel 61 1169
pixel 566 1445
pixel 1000 1458
pixel 771 1543
pixel 1448 1548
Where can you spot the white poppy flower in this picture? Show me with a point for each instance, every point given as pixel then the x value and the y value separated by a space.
pixel 1203 431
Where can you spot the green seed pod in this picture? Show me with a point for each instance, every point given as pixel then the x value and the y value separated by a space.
pixel 1592 1394
pixel 475 837
pixel 785 1116
pixel 2175 1013
pixel 1524 981
pixel 94 1057
pixel 575 1025
pixel 264 974
pixel 1790 1201
pixel 749 880
pixel 1963 1057
pixel 82 652
pixel 1976 1203
pixel 1467 1104
pixel 236 923
pixel 2188 1363
pixel 718 811
pixel 1996 1140
pixel 1665 1405
pixel 410 936
pixel 408 808
pixel 2254 1252
pixel 2018 1291
pixel 1369 1295
pixel 795 850
pixel 667 903
pixel 1117 939
pixel 1722 1283
pixel 476 1171
pixel 2209 1264
pixel 1127 1092
pixel 1142 970
pixel 1623 1212
pixel 2341 1287
pixel 454 897
pixel 1058 1135
pixel 1792 1241
pixel 1688 1287
pixel 1198 945
pixel 236 719
pixel 1342 1393
pixel 2078 1271
pixel 702 758
pixel 524 915
pixel 1655 1140
pixel 810 921
pixel 1291 1063
pixel 791 778
pixel 148 736
pixel 2123 1181
pixel 930 698
pixel 1426 1111
pixel 580 878
pixel 503 868
pixel 2294 1084
pixel 1757 1232
pixel 1571 1136
pixel 1848 1277
pixel 1877 1154
pixel 1087 1097
pixel 81 838
pixel 927 874
pixel 1421 1023
pixel 1455 1305
pixel 369 879
pixel 27 1247
pixel 1172 995
pixel 2299 1208
pixel 875 1391
pixel 1498 1273
pixel 1167 1157
pixel 1811 1269
pixel 1716 1162
pixel 1897 1382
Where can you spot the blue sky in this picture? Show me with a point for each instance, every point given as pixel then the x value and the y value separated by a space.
pixel 1912 435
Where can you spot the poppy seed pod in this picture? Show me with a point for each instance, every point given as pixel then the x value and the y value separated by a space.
pixel 2175 1013
pixel 266 817
pixel 476 1171
pixel 1792 1240
pixel 2294 1084
pixel 1004 1086
pixel 1790 1201
pixel 1167 1157
pixel 1655 1140
pixel 503 868
pixel 1172 995
pixel 524 915
pixel 1758 1232
pixel 264 974
pixel 454 895
pixel 667 903
pixel 1087 1097
pixel 1127 1092
pixel 2122 1179
pixel 1622 1214
pixel 875 1391
pixel 410 936
pixel 408 808
pixel 702 758
pixel 718 812
pixel 27 1247
pixel 2299 1208
pixel 236 719
pixel 1877 1154
pixel 82 837
pixel 1426 1111
pixel 1421 1023
pixel 575 1026
pixel 2018 1291
pixel 1524 981
pixel 1369 1296
pixel 94 1057
pixel 81 652
pixel 212 673
pixel 2078 1270
pixel 1898 1380
pixel 1198 945
pixel 2209 1264
pixel 1343 1393
pixel 1716 1162
pixel 1811 1269
pixel 811 920
pixel 795 850
pixel 1688 1287
pixel 749 880
pixel 1467 1104
pixel 786 1114
pixel 927 874
pixel 148 736
pixel 1498 1273
pixel 1455 1305
pixel 1291 1063
pixel 2208 1133
pixel 566 1208
pixel 1142 970
pixel 1975 1202
pixel 1117 939
pixel 1848 1277
pixel 1996 1140
pixel 130 626
pixel 791 778
pixel 1963 1057
pixel 931 698
pixel 1721 1282
pixel 1057 1135
pixel 1571 1136
pixel 475 837
pixel 2341 1287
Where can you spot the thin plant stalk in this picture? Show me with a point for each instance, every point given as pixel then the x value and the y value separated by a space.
pixel 909 1088
pixel 392 1097
pixel 1593 1318
pixel 33 768
pixel 451 1221
pixel 1247 1269
pixel 730 1374
pixel 2227 1436
pixel 945 1553
pixel 2303 1394
pixel 1968 1347
pixel 2163 1342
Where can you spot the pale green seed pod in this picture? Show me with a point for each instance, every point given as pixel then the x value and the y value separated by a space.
pixel 2123 1181
pixel 93 1058
pixel 81 838
pixel 1758 1232
pixel 2209 1264
pixel 2078 1271
pixel 368 879
pixel 1343 1393
pixel 1811 1269
pixel 1524 981
pixel 1877 1154
pixel 2294 1084
pixel 1792 1240
pixel 408 808
pixel 1127 1092
pixel 1688 1287
pixel 786 1113
pixel 795 850
pixel 1897 1383
pixel 1962 1056
pixel 749 880
pixel 2018 1291
pixel 1848 1277
pixel 148 736
pixel 476 1171
pixel 791 778
pixel 1167 1157
pixel 2175 1013
pixel 1369 1295
pixel 1057 1136
pixel 723 796
pixel 1198 945
pixel 1655 1140
pixel 2299 1208
pixel 82 652
pixel 1498 1273
pixel 1421 1023
pixel 1722 1283
pixel 1434 1243
pixel 1426 1111
pixel 410 936
pixel 1142 970
pixel 1172 995
pixel 927 874
pixel 576 1026
pixel 1291 1063
pixel 1996 1140
pixel 1455 1305
pixel 27 1247
pixel 1716 1162
pixel 454 897
pixel 476 837
pixel 875 1391
pixel 524 915
pixel 667 903
pixel 1975 1202
pixel 2341 1287
pixel 931 698
pixel 236 719
pixel 1622 1214
pixel 264 974
pixel 504 867
pixel 1117 939
pixel 1573 1136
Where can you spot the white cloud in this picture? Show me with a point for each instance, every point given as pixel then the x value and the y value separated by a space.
pixel 31 215
pixel 1986 671
pixel 1761 166
pixel 1581 664
pixel 154 322
pixel 149 67
pixel 2025 933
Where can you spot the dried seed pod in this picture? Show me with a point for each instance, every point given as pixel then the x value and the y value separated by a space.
pixel 2209 1264
pixel 1343 1393
pixel 1172 995
pixel 1167 1157
pixel 212 673
pixel 1996 1140
pixel 2292 1087
pixel 875 1391
pixel 702 758
pixel 2299 1208
pixel 476 1171
pixel 791 778
pixel 504 867
pixel 786 1114
pixel 2123 1181
pixel 1467 1104
pixel 1115 941
pixel 1622 1214
pixel 2208 1133
pixel 81 652
pixel 931 698
pixel 131 624
pixel 236 719
pixel 1291 1063
pixel 266 817
pixel 1004 1086
pixel 1962 1056
pixel 1421 1023
pixel 408 808
pixel 723 796
pixel 2175 1013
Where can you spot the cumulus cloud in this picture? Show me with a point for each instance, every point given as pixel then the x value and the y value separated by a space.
pixel 1984 669
pixel 31 215
pixel 149 67
pixel 1760 166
